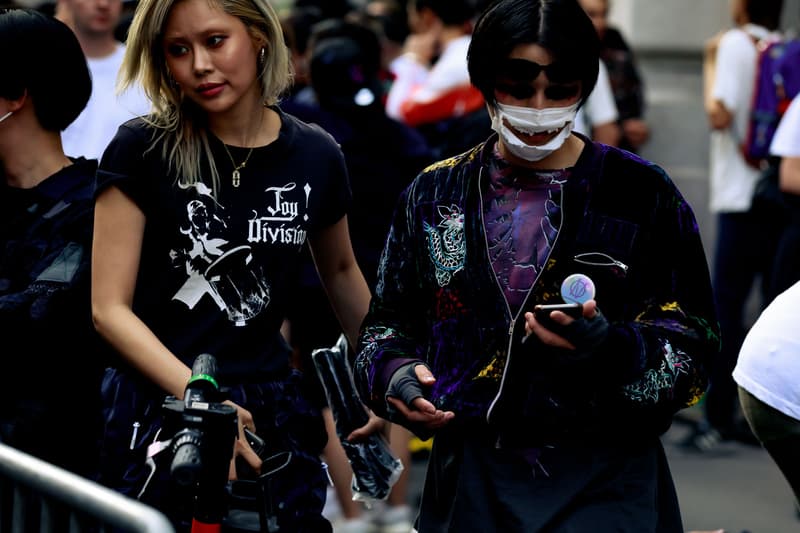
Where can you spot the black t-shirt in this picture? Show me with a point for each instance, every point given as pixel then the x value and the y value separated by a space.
pixel 216 273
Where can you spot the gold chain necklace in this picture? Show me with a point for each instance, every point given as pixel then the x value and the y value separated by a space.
pixel 236 177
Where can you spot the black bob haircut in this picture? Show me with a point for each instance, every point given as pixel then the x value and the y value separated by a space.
pixel 42 57
pixel 560 26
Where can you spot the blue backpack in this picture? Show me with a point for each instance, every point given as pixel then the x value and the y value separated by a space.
pixel 777 82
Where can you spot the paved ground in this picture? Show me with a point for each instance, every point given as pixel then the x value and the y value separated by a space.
pixel 737 488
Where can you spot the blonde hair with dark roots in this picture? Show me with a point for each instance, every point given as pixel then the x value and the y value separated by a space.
pixel 178 122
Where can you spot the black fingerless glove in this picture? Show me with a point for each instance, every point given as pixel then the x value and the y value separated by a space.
pixel 587 334
pixel 405 385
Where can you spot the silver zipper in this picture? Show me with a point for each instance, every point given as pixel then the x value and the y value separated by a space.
pixel 604 260
pixel 525 301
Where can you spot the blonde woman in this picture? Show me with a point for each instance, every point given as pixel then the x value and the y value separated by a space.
pixel 202 210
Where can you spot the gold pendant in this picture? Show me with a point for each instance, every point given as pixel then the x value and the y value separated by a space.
pixel 235 178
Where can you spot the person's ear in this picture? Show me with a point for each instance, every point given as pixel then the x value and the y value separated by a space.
pixel 15 104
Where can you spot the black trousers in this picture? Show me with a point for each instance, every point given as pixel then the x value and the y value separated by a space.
pixel 472 486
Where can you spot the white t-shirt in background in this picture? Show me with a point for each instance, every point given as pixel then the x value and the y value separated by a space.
pixel 94 128
pixel 732 179
pixel 600 107
pixel 769 360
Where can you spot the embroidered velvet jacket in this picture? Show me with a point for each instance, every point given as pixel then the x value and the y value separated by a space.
pixel 621 221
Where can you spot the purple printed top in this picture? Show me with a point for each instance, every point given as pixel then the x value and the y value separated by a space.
pixel 521 216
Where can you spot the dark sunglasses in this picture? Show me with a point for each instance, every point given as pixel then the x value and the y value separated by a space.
pixel 524 70
pixel 516 75
pixel 523 91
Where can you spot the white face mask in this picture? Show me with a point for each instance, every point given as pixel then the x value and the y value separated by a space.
pixel 530 120
pixel 6 116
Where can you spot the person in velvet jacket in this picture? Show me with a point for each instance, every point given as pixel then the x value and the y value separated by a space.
pixel 540 427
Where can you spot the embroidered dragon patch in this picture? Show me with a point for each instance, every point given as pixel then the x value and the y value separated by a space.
pixel 446 243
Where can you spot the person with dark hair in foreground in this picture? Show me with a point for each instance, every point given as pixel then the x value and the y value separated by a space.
pixel 50 407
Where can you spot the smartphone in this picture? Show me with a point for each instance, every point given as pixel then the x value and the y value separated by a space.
pixel 257 443
pixel 542 312
pixel 243 469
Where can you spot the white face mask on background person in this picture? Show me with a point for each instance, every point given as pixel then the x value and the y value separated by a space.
pixel 530 120
pixel 6 116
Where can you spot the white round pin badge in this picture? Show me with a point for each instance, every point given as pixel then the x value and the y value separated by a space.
pixel 577 288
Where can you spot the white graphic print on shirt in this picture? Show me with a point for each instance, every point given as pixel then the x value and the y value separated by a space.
pixel 262 228
pixel 225 270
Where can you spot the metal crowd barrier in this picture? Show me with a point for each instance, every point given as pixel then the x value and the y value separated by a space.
pixel 38 496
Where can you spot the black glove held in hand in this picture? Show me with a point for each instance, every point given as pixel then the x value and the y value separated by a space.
pixel 405 385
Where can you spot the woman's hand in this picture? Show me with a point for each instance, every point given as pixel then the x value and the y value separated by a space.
pixel 374 424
